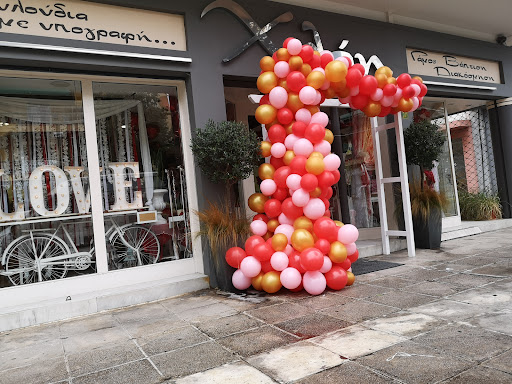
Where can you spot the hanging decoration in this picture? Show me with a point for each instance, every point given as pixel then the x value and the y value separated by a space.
pixel 295 243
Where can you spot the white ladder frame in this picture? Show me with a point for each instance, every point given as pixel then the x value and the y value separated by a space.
pixel 402 179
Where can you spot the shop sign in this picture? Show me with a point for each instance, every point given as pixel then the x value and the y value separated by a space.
pixel 428 63
pixel 99 23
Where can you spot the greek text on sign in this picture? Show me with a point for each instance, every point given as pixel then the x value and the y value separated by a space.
pixel 84 21
pixel 428 63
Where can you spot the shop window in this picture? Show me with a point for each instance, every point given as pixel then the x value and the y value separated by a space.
pixel 46 231
pixel 143 186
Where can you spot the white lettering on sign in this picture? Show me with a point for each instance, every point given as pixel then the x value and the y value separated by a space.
pixel 18 214
pixel 36 188
pixel 80 20
pixel 83 201
pixel 121 184
pixel 373 60
pixel 427 63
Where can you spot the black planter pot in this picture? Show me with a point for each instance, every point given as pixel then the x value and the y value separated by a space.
pixel 221 273
pixel 427 233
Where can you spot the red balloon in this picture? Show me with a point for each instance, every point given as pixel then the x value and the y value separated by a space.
pixel 265 100
pixel 298 165
pixel 360 68
pixel 389 90
pixel 353 257
pixel 423 91
pixel 276 134
pixel 234 256
pixel 290 210
pixel 280 194
pixel 312 259
pixel 280 176
pixel 326 203
pixel 285 43
pixel 325 179
pixel 326 193
pixel 403 80
pixel 336 278
pixel 325 228
pixel 277 162
pixel 314 133
pixel 309 182
pixel 315 62
pixel 325 59
pixel 294 262
pixel 359 101
pixel 272 208
pixel 368 85
pixel 327 213
pixel 408 92
pixel 299 128
pixel 274 56
pixel 260 216
pixel 251 243
pixel 285 116
pixel 301 286
pixel 295 81
pixel 266 266
pixel 345 265
pixel 337 175
pixel 353 77
pixel 384 111
pixel 306 53
pixel 263 252
pixel 269 241
pixel 323 245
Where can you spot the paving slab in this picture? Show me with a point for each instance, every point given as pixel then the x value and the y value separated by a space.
pixel 414 363
pixel 30 355
pixel 52 370
pixel 95 339
pixel 434 288
pixel 393 282
pixel 481 375
pixel 489 296
pixel 356 341
pixel 294 362
pixel 25 337
pixel 363 290
pixel 138 313
pixel 206 312
pixel 449 309
pixel 424 274
pixel 87 324
pixel 359 310
pixel 225 326
pixel 152 326
pixel 233 373
pixel 500 321
pixel 501 362
pixel 326 300
pixel 280 312
pixel 402 299
pixel 502 268
pixel 171 340
pixel 348 372
pixel 405 323
pixel 131 373
pixel 467 280
pixel 312 325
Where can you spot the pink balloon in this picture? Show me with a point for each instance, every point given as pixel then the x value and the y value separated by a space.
pixel 320 118
pixel 258 227
pixel 326 85
pixel 282 69
pixel 318 98
pixel 294 46
pixel 332 162
pixel 415 103
pixel 314 282
pixel 323 147
pixel 303 147
pixel 307 95
pixel 354 91
pixel 278 150
pixel 314 209
pixel 417 89
pixel 344 60
pixel 268 187
pixel 303 115
pixel 377 95
pixel 293 181
pixel 290 140
pixel 327 265
pixel 285 229
pixel 279 261
pixel 288 250
pixel 301 197
pixel 278 97
pixel 351 248
pixel 250 266
pixel 347 234
pixel 319 69
pixel 283 219
pixel 386 101
pixel 290 278
pixel 240 281
pixel 345 100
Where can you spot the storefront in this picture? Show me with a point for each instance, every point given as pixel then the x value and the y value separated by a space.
pixel 98 104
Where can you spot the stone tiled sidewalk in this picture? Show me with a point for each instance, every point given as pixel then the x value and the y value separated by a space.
pixel 444 316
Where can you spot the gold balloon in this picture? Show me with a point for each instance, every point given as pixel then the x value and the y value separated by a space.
pixel 271 282
pixel 316 192
pixel 315 165
pixel 418 78
pixel 267 236
pixel 339 86
pixel 272 225
pixel 338 223
pixel 288 157
pixel 330 93
pixel 295 63
pixel 335 71
pixel 315 79
pixel 282 54
pixel 257 202
pixel 391 80
pixel 288 128
pixel 306 69
pixel 405 105
pixel 338 252
pixel 303 223
pixel 385 71
pixel 267 63
pixel 265 148
pixel 350 278
pixel 312 109
pixel 279 242
pixel 273 122
pixel 266 81
pixel 294 102
pixel 256 281
pixel 344 93
pixel 316 154
pixel 282 83
pixel 266 171
pixel 382 79
pixel 315 237
pixel 372 109
pixel 265 114
pixel 329 136
pixel 302 239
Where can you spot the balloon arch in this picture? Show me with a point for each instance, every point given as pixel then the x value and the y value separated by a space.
pixel 295 244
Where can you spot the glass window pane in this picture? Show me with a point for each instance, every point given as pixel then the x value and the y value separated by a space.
pixel 143 176
pixel 45 221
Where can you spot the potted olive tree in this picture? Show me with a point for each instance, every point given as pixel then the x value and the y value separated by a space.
pixel 423 145
pixel 226 152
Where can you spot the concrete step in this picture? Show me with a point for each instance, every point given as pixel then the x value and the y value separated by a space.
pixel 459 231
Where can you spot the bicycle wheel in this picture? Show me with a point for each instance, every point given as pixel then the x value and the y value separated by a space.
pixel 21 256
pixel 140 240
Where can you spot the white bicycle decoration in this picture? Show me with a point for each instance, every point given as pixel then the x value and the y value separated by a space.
pixel 42 255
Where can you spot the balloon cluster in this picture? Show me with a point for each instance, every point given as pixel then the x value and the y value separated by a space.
pixel 295 243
